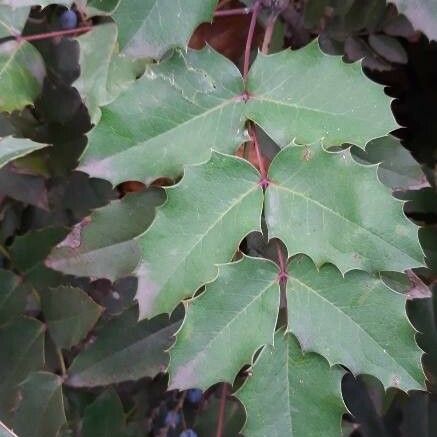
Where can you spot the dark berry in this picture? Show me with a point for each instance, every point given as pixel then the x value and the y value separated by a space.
pixel 172 419
pixel 68 19
pixel 194 395
pixel 188 433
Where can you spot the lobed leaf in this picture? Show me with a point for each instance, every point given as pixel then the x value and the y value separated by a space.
pixel 333 209
pixel 292 394
pixel 355 320
pixel 201 225
pixel 225 326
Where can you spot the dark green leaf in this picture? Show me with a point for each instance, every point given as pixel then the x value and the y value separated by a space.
pixel 41 409
pixel 69 313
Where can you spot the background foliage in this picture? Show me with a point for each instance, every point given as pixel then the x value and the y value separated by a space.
pixel 77 80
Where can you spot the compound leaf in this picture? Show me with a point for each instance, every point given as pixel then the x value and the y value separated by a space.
pixel 225 326
pixel 173 115
pixel 69 313
pixel 306 96
pixel 42 402
pixel 355 320
pixel 125 350
pixel 292 394
pixel 333 209
pixel 96 248
pixel 202 223
pixel 148 28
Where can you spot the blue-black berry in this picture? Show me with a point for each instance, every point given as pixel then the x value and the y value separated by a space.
pixel 194 395
pixel 188 433
pixel 172 419
pixel 68 19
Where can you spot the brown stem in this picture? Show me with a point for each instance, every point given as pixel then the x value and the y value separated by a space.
pixel 249 40
pixel 221 416
pixel 269 32
pixel 54 34
pixel 236 11
pixel 282 264
pixel 253 136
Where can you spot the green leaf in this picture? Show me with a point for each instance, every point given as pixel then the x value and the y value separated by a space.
pixel 21 73
pixel 69 313
pixel 12 296
pixel 22 342
pixel 225 326
pixel 194 101
pixel 96 248
pixel 173 115
pixel 305 96
pixel 148 28
pixel 13 148
pixel 26 188
pixel 292 394
pixel 41 410
pixel 421 13
pixel 104 417
pixel 104 74
pixel 355 320
pixel 124 350
pixel 201 225
pixel 29 250
pixel 316 196
pixel 398 169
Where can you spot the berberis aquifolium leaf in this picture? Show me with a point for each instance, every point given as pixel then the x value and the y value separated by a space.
pixel 328 206
pixel 218 336
pixel 172 116
pixel 292 394
pixel 355 320
pixel 195 101
pixel 206 215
